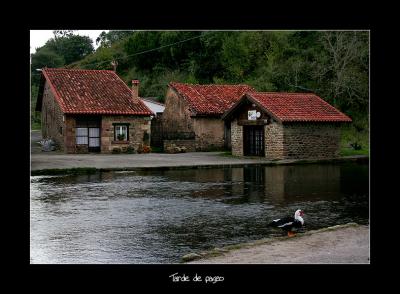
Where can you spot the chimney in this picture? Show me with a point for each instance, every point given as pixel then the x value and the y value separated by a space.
pixel 135 89
pixel 114 64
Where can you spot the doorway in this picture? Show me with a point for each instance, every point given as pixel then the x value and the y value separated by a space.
pixel 253 140
pixel 88 133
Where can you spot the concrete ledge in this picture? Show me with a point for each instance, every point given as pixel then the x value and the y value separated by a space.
pixel 82 170
pixel 221 251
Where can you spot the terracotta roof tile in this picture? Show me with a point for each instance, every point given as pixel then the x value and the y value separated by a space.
pixel 93 92
pixel 298 107
pixel 210 99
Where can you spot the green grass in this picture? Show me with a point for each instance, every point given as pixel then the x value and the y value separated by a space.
pixel 226 154
pixel 35 126
pixel 350 151
pixel 355 132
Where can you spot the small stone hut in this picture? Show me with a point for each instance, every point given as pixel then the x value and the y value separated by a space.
pixel 284 126
pixel 92 111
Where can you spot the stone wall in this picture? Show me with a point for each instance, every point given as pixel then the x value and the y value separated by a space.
pixel 70 139
pixel 236 138
pixel 177 123
pixel 294 140
pixel 209 133
pixel 176 116
pixel 274 144
pixel 52 118
pixel 138 127
pixel 311 140
pixel 189 145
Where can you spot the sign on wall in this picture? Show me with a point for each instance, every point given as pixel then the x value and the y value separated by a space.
pixel 252 115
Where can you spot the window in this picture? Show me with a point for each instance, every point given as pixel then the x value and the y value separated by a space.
pixel 81 136
pixel 121 132
pixel 87 132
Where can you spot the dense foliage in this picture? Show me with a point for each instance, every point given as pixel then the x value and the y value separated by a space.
pixel 332 64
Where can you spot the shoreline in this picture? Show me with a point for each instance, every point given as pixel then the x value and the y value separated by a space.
pixel 55 164
pixel 348 243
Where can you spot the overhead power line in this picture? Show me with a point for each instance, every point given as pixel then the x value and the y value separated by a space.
pixel 146 51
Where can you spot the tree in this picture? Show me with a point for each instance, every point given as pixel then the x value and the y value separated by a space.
pixel 344 68
pixel 71 47
pixel 65 33
pixel 44 57
pixel 334 65
pixel 111 37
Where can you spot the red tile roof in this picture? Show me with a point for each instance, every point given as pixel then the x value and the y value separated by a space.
pixel 288 107
pixel 210 99
pixel 81 91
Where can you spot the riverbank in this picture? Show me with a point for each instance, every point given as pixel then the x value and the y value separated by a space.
pixel 48 164
pixel 339 244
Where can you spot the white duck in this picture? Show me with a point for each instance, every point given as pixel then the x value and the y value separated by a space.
pixel 289 223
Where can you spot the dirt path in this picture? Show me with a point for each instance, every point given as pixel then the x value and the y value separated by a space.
pixel 341 245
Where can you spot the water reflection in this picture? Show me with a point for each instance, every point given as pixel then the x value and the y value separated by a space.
pixel 157 216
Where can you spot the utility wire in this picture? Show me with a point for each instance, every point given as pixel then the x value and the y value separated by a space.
pixel 150 50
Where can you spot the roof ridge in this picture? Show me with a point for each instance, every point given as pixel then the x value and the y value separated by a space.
pixel 190 84
pixel 78 69
pixel 290 93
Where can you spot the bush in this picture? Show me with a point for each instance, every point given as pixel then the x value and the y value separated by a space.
pixel 144 149
pixel 356 146
pixel 130 150
pixel 116 150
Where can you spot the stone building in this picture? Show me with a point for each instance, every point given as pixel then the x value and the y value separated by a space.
pixel 284 126
pixel 92 111
pixel 192 115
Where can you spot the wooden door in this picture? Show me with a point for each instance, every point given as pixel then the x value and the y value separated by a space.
pixel 253 140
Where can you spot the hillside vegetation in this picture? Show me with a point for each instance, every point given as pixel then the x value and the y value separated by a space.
pixel 334 65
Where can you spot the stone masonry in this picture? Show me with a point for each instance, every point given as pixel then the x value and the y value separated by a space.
pixel 237 138
pixel 138 128
pixel 311 140
pixel 274 140
pixel 293 140
pixel 52 118
pixel 187 145
pixel 177 121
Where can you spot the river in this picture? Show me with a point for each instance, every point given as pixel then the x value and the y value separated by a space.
pixel 159 216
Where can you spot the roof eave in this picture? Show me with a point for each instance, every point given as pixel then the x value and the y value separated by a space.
pixel 247 96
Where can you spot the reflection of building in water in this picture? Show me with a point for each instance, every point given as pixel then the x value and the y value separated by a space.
pixel 197 175
pixel 283 184
pixel 276 184
pixel 237 181
pixel 254 182
pixel 302 182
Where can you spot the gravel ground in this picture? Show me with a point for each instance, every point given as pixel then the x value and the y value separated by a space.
pixel 343 245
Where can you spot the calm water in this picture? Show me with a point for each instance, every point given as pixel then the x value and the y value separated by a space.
pixel 158 216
